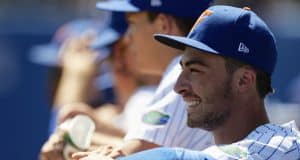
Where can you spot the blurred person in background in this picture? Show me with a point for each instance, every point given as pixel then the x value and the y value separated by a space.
pixel 60 66
pixel 111 121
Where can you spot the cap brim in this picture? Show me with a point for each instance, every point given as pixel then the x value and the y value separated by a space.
pixel 105 38
pixel 117 6
pixel 182 42
pixel 46 55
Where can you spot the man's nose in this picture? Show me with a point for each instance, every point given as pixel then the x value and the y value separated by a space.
pixel 181 85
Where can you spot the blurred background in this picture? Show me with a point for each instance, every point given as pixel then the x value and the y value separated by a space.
pixel 24 97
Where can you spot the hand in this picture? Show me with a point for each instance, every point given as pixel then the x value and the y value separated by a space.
pixel 77 56
pixel 106 151
pixel 53 148
pixel 96 157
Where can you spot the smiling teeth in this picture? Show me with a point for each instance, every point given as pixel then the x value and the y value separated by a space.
pixel 192 103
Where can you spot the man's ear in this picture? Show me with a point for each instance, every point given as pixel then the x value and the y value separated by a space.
pixel 245 79
pixel 164 24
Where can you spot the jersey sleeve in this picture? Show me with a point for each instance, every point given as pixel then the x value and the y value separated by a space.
pixel 168 154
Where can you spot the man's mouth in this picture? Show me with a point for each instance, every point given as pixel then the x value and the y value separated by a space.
pixel 191 100
pixel 193 103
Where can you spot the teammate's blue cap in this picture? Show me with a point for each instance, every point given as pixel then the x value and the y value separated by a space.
pixel 48 54
pixel 113 32
pixel 231 32
pixel 180 8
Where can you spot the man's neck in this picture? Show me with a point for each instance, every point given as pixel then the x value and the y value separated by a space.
pixel 243 120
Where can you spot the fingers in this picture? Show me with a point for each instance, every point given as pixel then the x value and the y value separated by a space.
pixel 53 148
pixel 79 155
pixel 77 45
pixel 116 153
pixel 87 37
pixel 81 43
pixel 104 151
pixel 69 46
pixel 94 156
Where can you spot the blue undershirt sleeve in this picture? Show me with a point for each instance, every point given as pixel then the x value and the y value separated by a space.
pixel 168 154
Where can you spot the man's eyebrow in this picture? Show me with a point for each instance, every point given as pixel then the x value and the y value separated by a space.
pixel 191 62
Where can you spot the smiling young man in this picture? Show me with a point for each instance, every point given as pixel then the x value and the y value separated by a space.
pixel 163 121
pixel 229 57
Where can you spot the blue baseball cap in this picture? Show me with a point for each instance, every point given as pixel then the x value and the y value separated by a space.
pixel 231 32
pixel 48 54
pixel 115 30
pixel 180 8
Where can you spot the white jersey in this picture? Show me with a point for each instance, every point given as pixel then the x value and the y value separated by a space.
pixel 134 107
pixel 267 142
pixel 163 122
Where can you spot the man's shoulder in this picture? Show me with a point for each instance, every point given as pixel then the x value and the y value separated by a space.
pixel 268 141
pixel 270 133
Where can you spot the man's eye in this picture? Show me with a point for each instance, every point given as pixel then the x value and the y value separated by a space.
pixel 194 70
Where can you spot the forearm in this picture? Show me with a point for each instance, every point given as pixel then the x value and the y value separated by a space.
pixel 108 128
pixel 107 152
pixel 73 87
pixel 137 145
pixel 104 139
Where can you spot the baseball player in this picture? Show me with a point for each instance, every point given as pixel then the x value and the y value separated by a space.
pixel 163 122
pixel 60 67
pixel 79 70
pixel 229 57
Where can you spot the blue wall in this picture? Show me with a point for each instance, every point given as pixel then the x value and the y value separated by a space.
pixel 24 110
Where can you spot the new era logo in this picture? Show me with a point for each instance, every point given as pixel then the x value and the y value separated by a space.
pixel 243 48
pixel 156 3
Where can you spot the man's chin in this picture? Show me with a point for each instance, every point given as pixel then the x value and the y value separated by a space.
pixel 209 121
pixel 203 126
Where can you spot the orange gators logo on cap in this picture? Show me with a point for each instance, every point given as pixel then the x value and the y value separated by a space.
pixel 205 14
